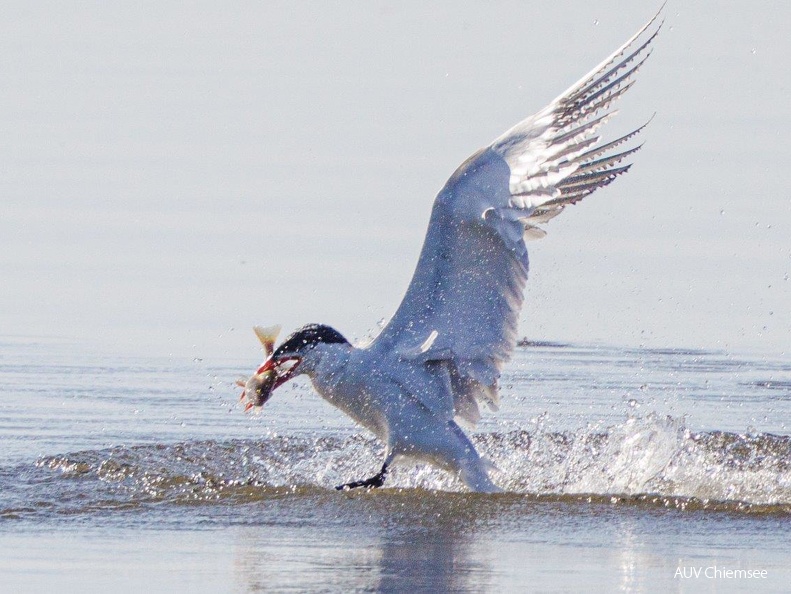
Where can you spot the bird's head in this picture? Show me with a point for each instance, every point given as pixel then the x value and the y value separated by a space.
pixel 283 363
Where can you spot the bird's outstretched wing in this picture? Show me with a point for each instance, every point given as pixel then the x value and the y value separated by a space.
pixel 461 310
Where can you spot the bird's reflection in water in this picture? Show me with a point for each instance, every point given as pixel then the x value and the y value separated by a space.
pixel 386 542
pixel 441 560
pixel 420 541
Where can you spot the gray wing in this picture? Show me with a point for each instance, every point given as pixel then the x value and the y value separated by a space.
pixel 461 310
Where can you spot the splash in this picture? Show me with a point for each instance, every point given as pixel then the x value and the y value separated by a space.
pixel 651 459
pixel 652 455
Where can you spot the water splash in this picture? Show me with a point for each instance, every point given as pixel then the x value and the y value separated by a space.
pixel 644 459
pixel 652 455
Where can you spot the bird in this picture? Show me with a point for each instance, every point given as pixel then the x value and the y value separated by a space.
pixel 425 377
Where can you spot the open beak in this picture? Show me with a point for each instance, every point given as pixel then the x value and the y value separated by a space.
pixel 282 368
pixel 285 367
pixel 268 365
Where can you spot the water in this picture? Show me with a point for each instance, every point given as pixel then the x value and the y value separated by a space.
pixel 168 177
pixel 620 466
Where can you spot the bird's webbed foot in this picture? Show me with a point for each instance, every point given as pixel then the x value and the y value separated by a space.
pixel 375 481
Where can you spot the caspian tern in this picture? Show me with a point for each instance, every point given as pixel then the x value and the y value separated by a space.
pixel 440 356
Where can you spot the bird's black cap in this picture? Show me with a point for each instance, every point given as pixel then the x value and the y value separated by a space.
pixel 308 337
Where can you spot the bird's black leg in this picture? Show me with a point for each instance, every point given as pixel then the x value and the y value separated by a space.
pixel 376 480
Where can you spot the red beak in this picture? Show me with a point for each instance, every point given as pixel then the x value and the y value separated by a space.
pixel 284 375
pixel 268 364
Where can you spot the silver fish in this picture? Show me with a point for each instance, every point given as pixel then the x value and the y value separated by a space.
pixel 258 387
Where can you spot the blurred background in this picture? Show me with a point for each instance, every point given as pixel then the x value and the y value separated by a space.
pixel 172 174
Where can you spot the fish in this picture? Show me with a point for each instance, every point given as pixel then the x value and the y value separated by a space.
pixel 257 389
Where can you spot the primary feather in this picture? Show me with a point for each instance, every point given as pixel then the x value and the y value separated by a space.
pixel 460 312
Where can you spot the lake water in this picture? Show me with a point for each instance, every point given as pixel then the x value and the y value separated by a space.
pixel 620 465
pixel 169 176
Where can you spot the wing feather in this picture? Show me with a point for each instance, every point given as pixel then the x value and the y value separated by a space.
pixel 460 313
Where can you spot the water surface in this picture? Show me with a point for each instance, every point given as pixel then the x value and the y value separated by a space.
pixel 620 465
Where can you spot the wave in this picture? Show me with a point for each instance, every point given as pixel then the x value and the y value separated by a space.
pixel 647 460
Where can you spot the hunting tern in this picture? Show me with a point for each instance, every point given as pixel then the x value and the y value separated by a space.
pixel 438 359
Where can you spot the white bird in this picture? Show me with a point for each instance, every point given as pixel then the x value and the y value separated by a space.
pixel 440 356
